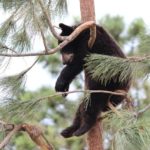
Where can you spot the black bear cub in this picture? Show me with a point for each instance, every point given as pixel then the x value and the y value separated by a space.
pixel 73 58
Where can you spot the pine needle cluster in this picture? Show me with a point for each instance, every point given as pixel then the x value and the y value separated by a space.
pixel 128 132
pixel 106 68
pixel 10 85
pixel 26 21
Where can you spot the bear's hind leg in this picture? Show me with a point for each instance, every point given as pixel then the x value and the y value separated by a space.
pixel 91 112
pixel 68 132
pixel 87 123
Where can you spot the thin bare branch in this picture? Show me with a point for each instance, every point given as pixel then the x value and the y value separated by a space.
pixel 140 112
pixel 28 69
pixel 57 36
pixel 40 28
pixel 119 93
pixel 67 40
pixel 138 58
pixel 8 48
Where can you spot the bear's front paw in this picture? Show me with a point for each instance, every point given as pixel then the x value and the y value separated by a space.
pixel 62 86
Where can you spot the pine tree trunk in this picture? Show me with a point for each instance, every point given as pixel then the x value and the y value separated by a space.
pixel 94 136
pixel 87 10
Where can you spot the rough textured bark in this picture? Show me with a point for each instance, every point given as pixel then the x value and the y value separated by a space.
pixel 87 10
pixel 88 14
pixel 94 136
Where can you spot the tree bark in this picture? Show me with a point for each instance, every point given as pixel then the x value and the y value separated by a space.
pixel 87 10
pixel 88 14
pixel 94 136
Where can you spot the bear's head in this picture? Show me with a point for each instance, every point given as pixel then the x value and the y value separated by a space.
pixel 76 48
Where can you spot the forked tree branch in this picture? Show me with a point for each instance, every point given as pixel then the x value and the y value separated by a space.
pixel 67 40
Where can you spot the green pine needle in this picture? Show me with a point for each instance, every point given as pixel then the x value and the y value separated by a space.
pixel 61 7
pixel 11 4
pixel 10 85
pixel 106 68
pixel 144 45
pixel 21 41
pixel 6 28
pixel 129 133
pixel 20 109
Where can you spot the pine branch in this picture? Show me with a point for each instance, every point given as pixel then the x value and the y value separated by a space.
pixel 9 5
pixel 21 109
pixel 3 46
pixel 128 131
pixel 49 21
pixel 60 7
pixel 9 85
pixel 21 40
pixel 67 40
pixel 28 69
pixel 42 33
pixel 105 68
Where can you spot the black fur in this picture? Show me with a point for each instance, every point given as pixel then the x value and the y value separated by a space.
pixel 85 118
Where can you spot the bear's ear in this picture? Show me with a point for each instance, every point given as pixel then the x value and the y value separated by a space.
pixel 65 28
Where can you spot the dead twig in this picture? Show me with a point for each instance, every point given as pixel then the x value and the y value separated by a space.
pixel 37 136
pixel 142 111
pixel 34 132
